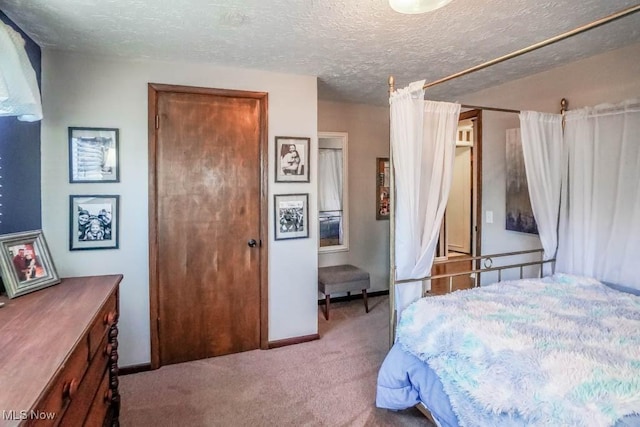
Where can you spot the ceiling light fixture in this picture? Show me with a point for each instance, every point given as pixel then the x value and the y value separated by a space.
pixel 416 6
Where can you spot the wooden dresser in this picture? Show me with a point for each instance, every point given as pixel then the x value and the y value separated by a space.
pixel 59 355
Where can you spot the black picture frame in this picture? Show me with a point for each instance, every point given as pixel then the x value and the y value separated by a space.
pixel 291 216
pixel 292 159
pixel 94 155
pixel 94 222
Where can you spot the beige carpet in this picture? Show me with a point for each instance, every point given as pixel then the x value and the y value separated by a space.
pixel 328 382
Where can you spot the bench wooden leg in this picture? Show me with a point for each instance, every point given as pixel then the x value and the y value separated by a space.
pixel 326 306
pixel 364 298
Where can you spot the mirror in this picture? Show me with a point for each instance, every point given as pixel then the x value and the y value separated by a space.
pixel 333 212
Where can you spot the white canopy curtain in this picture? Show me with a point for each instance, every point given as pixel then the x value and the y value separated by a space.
pixel 423 143
pixel 19 92
pixel 600 213
pixel 542 146
pixel 329 179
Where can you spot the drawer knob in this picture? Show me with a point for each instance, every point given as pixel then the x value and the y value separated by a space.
pixel 109 318
pixel 108 395
pixel 70 389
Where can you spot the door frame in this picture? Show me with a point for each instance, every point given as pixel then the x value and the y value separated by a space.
pixel 476 189
pixel 476 171
pixel 153 123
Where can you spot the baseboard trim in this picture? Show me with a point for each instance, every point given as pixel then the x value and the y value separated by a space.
pixel 134 369
pixel 292 341
pixel 354 296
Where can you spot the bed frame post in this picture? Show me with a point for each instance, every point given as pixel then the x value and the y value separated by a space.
pixel 392 233
pixel 564 106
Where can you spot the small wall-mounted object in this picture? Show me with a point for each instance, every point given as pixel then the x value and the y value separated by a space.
pixel 382 188
pixel 489 215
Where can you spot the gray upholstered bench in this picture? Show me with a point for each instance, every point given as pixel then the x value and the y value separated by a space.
pixel 342 278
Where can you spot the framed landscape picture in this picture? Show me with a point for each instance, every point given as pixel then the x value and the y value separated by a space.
pixel 93 222
pixel 292 159
pixel 519 214
pixel 26 263
pixel 93 155
pixel 291 216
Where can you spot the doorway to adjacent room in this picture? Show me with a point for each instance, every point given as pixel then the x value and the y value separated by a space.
pixel 460 233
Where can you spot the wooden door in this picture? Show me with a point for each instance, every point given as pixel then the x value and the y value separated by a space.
pixel 207 203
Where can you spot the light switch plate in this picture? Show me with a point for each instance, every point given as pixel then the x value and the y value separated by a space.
pixel 489 217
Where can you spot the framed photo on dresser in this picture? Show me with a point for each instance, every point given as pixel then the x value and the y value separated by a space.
pixel 26 263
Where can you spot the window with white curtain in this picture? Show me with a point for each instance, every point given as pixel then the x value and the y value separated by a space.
pixel 332 192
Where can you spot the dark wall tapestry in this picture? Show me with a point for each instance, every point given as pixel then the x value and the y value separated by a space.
pixel 20 160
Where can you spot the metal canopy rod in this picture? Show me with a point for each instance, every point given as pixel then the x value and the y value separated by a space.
pixel 594 24
pixel 392 82
pixel 502 110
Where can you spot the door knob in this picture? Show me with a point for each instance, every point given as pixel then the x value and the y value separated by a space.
pixel 252 243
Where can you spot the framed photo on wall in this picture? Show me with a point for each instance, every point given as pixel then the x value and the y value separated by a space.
pixel 291 216
pixel 292 159
pixel 383 179
pixel 26 263
pixel 93 222
pixel 93 155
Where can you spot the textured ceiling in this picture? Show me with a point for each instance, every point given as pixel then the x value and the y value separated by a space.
pixel 351 45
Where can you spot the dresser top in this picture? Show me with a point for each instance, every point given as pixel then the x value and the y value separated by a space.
pixel 40 329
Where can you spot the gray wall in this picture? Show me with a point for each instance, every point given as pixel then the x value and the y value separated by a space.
pixel 495 237
pixel 368 129
pixel 81 90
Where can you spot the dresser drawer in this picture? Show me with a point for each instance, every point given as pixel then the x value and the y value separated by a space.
pixel 65 386
pixel 107 317
pixel 100 405
pixel 79 405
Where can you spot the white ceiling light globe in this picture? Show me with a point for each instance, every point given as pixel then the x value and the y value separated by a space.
pixel 416 6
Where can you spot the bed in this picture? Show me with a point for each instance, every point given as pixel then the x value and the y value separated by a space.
pixel 561 350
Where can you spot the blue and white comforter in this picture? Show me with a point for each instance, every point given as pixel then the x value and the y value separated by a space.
pixel 558 351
